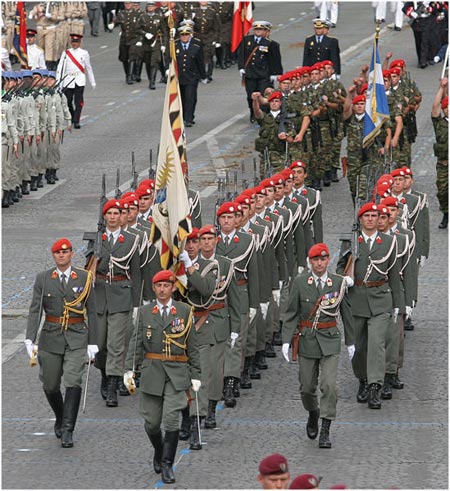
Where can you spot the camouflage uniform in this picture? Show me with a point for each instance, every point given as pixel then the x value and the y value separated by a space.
pixel 268 138
pixel 441 152
pixel 395 109
pixel 336 87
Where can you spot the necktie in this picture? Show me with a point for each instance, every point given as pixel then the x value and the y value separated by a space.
pixel 63 281
pixel 111 240
pixel 319 284
pixel 185 47
pixel 369 242
pixel 164 313
pixel 226 240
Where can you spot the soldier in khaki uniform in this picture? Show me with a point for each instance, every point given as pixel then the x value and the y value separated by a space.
pixel 162 343
pixel 317 297
pixel 65 294
pixel 8 16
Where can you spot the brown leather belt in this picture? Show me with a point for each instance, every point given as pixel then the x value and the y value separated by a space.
pixel 370 284
pixel 216 306
pixel 117 277
pixel 158 356
pixel 241 282
pixel 59 320
pixel 319 325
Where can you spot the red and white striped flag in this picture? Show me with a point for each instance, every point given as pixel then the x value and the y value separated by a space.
pixel 242 23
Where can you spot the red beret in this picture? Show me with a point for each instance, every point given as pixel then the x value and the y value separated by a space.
pixel 327 63
pixel 399 63
pixel 268 182
pixel 227 207
pixel 305 481
pixel 124 204
pixel 61 245
pixel 386 74
pixel 273 464
pixel 444 102
pixel 31 32
pixel 359 98
pixel 408 171
pixel 285 76
pixel 287 174
pixel 131 200
pixel 248 192
pixel 194 234
pixel 147 183
pixel 383 189
pixel 395 70
pixel 398 173
pixel 76 36
pixel 383 210
pixel 390 201
pixel 297 163
pixel 317 250
pixel 112 203
pixel 207 229
pixel 237 206
pixel 143 191
pixel 306 70
pixel 385 178
pixel 275 95
pixel 242 200
pixel 164 275
pixel 317 66
pixel 367 207
pixel 128 194
pixel 260 190
pixel 364 88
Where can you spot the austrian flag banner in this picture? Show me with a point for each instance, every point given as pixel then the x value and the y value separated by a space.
pixel 20 35
pixel 242 23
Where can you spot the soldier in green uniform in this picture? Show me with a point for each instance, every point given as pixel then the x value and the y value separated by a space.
pixel 317 297
pixel 161 344
pixel 65 294
pixel 440 124
pixel 396 114
pixel 129 51
pixel 225 12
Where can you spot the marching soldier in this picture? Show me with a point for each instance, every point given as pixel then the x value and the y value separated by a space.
pixel 162 345
pixel 145 194
pixel 36 57
pixel 225 11
pixel 75 64
pixel 317 297
pixel 65 294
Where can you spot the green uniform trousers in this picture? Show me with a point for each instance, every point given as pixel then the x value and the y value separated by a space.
pixel 204 355
pixel 394 345
pixel 442 184
pixel 234 358
pixel 112 337
pixel 217 359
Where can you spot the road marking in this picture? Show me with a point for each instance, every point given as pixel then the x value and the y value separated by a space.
pixel 10 348
pixel 41 192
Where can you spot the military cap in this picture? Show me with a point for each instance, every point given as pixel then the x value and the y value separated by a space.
pixel 52 74
pixel 260 24
pixel 148 183
pixel 327 23
pixel 318 250
pixel 395 70
pixel 267 24
pixel 278 178
pixel 285 76
pixel 242 200
pixel 444 102
pixel 61 245
pixel 112 203
pixel 327 63
pixel 164 275
pixel 250 192
pixel 124 204
pixel 367 207
pixel 194 234
pixel 297 163
pixel 260 190
pixel 187 22
pixel 383 210
pixel 227 207
pixel 390 201
pixel 316 66
pixel 399 63
pixel 31 32
pixel 6 74
pixel 237 206
pixel 364 88
pixel 75 37
pixel 19 75
pixel 305 481
pixel 318 23
pixel 185 30
pixel 287 174
pixel 144 191
pixel 129 194
pixel 268 182
pixel 13 75
pixel 386 74
pixel 408 171
pixel 275 95
pixel 306 70
pixel 384 184
pixel 398 173
pixel 37 71
pixel 131 200
pixel 274 464
pixel 207 229
pixel 359 98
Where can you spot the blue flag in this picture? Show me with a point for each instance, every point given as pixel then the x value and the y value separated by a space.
pixel 377 109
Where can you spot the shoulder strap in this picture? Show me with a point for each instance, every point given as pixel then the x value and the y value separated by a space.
pixel 75 61
pixel 250 56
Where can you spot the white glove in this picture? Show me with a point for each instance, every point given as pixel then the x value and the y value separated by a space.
pixel 169 12
pixel 217 45
pixel 185 259
pixel 281 283
pixel 173 32
pixel 422 261
pixel 285 351
pixel 233 336
pixel 111 26
pixel 134 315
pixel 113 12
pixel 436 59
pixel 196 384
pixel 264 309
pixel 163 49
pixel 300 269
pixel 94 86
pixel 413 303
pixel 204 81
pixel 351 351
pixel 30 15
pixel 408 310
pixel 396 311
pixel 167 72
pixel 139 43
pixel 148 35
pixel 48 15
pixel 349 281
pixel 242 72
pixel 276 296
pixel 92 350
pixel 128 381
pixel 414 15
pixel 338 77
pixel 273 78
pixel 252 313
pixel 31 347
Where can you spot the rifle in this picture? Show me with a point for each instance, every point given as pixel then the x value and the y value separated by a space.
pixel 409 120
pixel 134 174
pixel 268 170
pixel 235 176
pixel 349 269
pixel 118 192
pixel 229 196
pixel 255 173
pixel 151 171
pixel 219 200
pixel 316 137
pixel 244 181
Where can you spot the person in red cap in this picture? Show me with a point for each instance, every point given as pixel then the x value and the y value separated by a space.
pixel 376 297
pixel 162 345
pixel 305 481
pixel 274 472
pixel 36 58
pixel 66 296
pixel 146 194
pixel 317 297
pixel 439 116
pixel 118 292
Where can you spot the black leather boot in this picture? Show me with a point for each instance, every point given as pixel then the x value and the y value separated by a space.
pixel 228 395
pixel 137 71
pixel 123 391
pixel 70 413
pixel 260 360
pixel 373 400
pixel 130 71
pixel 194 443
pixel 269 351
pixel 55 177
pixel 111 396
pixel 210 421
pixel 334 176
pixel 395 382
pixel 236 385
pixel 33 184
pixel 386 390
pixel 10 198
pixel 444 222
pixel 327 178
pixel 277 340
pixel 25 188
pixel 19 192
pixel 363 391
pixel 104 384
pixel 152 78
pixel 408 325
pixel 39 183
pixel 317 184
pixel 5 200
pixel 49 177
pixel 56 402
pixel 324 437
pixel 156 440
pixel 312 426
pixel 245 379
pixel 223 55
pixel 185 428
pixel 13 196
pixel 253 369
pixel 168 456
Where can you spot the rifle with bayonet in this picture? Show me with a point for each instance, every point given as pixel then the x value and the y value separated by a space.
pixel 220 198
pixel 151 170
pixel 256 178
pixel 244 181
pixel 117 192
pixel 268 170
pixel 349 269
pixel 134 174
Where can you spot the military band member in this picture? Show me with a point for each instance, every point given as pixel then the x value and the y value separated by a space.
pixel 75 63
pixel 317 297
pixel 161 344
pixel 66 296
